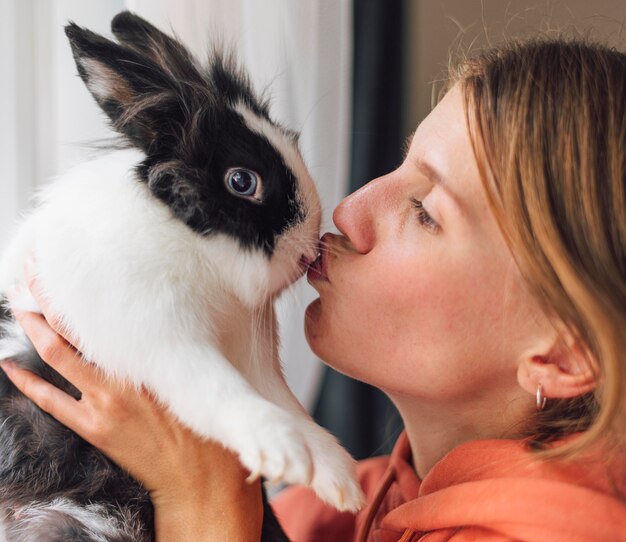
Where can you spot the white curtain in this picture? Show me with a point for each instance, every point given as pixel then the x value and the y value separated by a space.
pixel 299 49
pixel 46 114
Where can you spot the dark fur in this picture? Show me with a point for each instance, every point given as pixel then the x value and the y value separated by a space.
pixel 41 460
pixel 180 116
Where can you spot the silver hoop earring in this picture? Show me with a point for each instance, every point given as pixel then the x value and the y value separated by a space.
pixel 541 400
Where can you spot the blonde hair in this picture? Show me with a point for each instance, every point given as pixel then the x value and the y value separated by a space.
pixel 547 119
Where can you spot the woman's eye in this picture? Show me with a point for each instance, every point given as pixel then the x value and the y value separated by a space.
pixel 242 182
pixel 422 215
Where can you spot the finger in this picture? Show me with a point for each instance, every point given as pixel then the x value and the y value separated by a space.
pixel 46 396
pixel 58 353
pixel 55 321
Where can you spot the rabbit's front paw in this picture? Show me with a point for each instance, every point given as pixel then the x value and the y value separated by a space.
pixel 334 472
pixel 274 447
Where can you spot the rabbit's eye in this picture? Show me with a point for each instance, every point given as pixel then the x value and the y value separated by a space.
pixel 242 182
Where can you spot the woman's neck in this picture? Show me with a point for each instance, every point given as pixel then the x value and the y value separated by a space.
pixel 434 429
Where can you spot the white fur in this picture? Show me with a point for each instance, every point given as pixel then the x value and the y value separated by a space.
pixel 101 523
pixel 100 79
pixel 15 341
pixel 189 316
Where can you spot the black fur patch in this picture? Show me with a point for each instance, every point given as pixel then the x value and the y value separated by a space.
pixel 183 118
pixel 41 459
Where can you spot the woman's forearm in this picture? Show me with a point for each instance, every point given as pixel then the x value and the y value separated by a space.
pixel 236 516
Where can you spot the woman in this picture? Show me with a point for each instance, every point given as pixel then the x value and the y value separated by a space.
pixel 482 286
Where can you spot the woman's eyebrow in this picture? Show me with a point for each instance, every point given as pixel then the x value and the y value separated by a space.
pixel 424 167
pixel 430 172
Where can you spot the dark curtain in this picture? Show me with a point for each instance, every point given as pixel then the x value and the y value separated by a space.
pixel 361 416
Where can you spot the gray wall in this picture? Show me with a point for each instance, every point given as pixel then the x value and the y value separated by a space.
pixel 437 28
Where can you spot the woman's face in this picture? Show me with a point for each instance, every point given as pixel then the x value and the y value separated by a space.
pixel 422 296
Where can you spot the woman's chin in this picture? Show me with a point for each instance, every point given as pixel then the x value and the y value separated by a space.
pixel 312 317
pixel 317 333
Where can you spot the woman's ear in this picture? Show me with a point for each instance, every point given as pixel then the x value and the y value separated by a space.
pixel 562 366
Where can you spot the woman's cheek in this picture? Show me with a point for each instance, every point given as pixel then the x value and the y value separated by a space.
pixel 412 323
pixel 368 317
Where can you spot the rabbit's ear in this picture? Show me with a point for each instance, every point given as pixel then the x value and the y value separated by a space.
pixel 226 77
pixel 133 31
pixel 132 90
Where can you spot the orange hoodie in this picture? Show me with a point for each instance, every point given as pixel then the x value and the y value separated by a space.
pixel 490 490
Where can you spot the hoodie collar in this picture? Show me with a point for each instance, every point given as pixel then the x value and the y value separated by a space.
pixel 398 485
pixel 499 487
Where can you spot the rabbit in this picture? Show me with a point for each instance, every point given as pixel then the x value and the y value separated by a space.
pixel 164 259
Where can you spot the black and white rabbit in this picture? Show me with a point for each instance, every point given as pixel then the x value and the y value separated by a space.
pixel 164 260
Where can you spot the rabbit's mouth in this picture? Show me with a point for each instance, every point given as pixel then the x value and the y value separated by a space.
pixel 317 268
pixel 306 261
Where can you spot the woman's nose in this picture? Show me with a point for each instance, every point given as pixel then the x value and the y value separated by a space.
pixel 357 215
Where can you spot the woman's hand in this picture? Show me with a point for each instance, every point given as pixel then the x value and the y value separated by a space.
pixel 198 488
